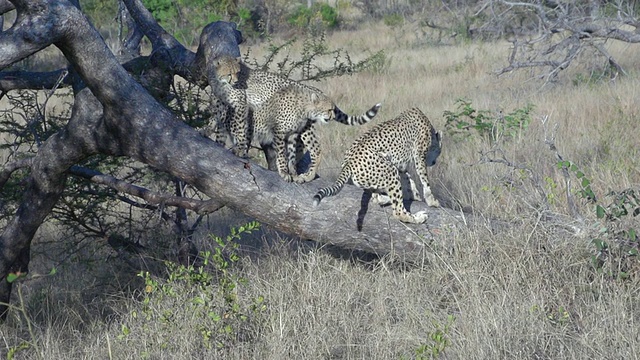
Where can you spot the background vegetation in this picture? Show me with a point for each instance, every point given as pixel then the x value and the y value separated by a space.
pixel 556 161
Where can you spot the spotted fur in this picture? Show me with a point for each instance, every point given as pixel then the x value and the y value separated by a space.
pixel 287 119
pixel 377 160
pixel 248 93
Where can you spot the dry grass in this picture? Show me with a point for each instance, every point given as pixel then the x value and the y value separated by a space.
pixel 526 293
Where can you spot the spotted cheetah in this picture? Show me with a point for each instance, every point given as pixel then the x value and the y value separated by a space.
pixel 249 90
pixel 288 118
pixel 377 159
pixel 229 119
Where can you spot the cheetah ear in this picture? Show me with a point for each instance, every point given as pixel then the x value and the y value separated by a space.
pixel 315 98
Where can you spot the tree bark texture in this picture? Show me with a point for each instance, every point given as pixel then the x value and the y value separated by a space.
pixel 115 115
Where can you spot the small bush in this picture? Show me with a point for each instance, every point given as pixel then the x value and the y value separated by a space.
pixel 203 301
pixel 393 20
pixel 318 15
pixel 492 126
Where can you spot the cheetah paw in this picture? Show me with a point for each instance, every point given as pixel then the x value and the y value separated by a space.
pixel 381 199
pixel 306 177
pixel 286 177
pixel 417 218
pixel 431 201
pixel 420 217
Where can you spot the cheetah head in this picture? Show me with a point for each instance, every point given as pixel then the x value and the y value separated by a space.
pixel 321 109
pixel 227 69
pixel 434 149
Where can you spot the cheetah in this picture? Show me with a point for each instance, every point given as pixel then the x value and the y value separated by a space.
pixel 377 159
pixel 227 70
pixel 288 118
pixel 248 91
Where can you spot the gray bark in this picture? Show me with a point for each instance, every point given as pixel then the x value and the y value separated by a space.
pixel 114 115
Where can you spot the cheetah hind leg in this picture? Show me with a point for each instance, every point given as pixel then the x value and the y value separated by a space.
pixel 308 141
pixel 383 169
pixel 409 191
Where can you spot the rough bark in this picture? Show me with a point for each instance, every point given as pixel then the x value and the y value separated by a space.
pixel 115 115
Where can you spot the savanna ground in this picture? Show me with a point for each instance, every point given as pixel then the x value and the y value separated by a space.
pixel 527 292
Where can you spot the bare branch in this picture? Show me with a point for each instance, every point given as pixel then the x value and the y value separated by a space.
pixel 563 30
pixel 198 206
pixel 14 80
pixel 11 167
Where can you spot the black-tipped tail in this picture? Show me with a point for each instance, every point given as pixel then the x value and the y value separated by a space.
pixel 333 189
pixel 351 120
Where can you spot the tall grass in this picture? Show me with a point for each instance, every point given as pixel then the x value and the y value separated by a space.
pixel 529 292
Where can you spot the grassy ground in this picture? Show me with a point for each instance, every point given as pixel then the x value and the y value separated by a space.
pixel 529 292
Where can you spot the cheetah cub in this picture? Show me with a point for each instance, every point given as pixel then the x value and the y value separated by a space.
pixel 377 159
pixel 286 122
pixel 244 90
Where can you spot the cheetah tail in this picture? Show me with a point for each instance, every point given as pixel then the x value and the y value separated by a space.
pixel 334 189
pixel 351 120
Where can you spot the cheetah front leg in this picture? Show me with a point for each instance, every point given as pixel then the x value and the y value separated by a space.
pixel 218 127
pixel 421 170
pixel 236 117
pixel 282 157
pixel 240 129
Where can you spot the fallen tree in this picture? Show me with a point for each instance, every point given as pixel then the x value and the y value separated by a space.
pixel 114 115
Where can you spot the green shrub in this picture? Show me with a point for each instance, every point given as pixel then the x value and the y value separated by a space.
pixel 393 20
pixel 616 244
pixel 322 15
pixel 203 300
pixel 492 126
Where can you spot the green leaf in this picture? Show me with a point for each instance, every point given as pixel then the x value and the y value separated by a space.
pixel 600 245
pixel 12 277
pixel 214 316
pixel 585 182
pixel 600 212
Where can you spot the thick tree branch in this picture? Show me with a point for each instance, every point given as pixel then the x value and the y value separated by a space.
pixel 6 6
